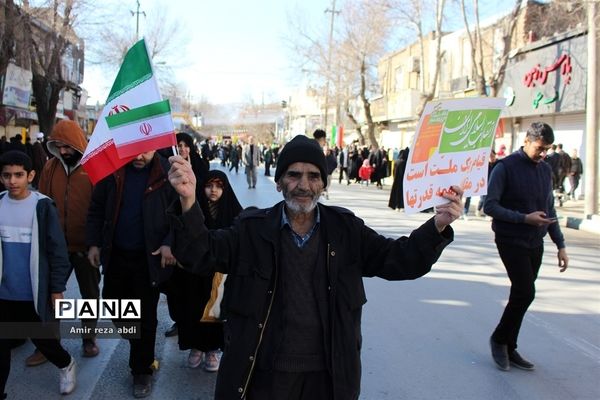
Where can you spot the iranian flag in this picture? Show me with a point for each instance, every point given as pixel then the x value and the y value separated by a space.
pixel 135 86
pixel 142 129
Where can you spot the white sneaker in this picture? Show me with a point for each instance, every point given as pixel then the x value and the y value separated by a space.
pixel 195 358
pixel 68 377
pixel 212 361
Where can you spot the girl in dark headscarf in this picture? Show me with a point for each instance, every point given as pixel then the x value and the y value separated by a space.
pixel 187 149
pixel 219 209
pixel 201 326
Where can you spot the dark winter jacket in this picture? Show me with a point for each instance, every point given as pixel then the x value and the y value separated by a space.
pixel 49 259
pixel 249 252
pixel 104 213
pixel 519 186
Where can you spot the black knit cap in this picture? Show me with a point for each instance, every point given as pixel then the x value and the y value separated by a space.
pixel 301 149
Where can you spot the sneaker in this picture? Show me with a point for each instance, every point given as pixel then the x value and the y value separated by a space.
pixel 212 361
pixel 519 362
pixel 37 358
pixel 90 349
pixel 142 385
pixel 172 331
pixel 500 355
pixel 68 377
pixel 195 358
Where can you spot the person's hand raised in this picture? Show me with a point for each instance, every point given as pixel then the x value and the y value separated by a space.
pixel 183 180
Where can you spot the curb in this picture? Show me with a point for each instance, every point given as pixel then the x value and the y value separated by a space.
pixel 591 225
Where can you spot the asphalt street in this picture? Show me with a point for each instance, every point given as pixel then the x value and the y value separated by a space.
pixel 424 339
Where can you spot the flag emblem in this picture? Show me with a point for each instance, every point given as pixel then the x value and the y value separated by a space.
pixel 112 146
pixel 117 109
pixel 145 128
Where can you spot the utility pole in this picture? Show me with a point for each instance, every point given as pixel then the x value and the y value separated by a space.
pixel 592 110
pixel 333 12
pixel 137 20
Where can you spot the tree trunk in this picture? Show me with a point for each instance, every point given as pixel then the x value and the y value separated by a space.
pixel 367 105
pixel 357 126
pixel 428 96
pixel 7 44
pixel 46 94
pixel 507 42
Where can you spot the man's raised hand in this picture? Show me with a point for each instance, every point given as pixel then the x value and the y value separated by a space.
pixel 183 180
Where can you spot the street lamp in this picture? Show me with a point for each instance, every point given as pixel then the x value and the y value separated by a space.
pixel 137 19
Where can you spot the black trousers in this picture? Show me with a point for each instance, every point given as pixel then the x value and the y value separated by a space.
pixel 343 171
pixel 24 311
pixel 522 265
pixel 128 277
pixel 88 279
pixel 574 183
pixel 190 298
pixel 277 385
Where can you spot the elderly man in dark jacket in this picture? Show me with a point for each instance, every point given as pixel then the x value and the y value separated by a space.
pixel 294 291
pixel 127 231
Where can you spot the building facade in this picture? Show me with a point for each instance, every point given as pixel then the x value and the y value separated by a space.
pixel 18 113
pixel 546 81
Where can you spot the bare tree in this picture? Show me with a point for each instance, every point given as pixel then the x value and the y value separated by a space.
pixel 164 35
pixel 554 17
pixel 418 14
pixel 366 30
pixel 361 36
pixel 45 48
pixel 7 30
pixel 484 73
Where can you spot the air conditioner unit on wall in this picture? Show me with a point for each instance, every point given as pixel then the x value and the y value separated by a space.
pixel 459 83
pixel 415 64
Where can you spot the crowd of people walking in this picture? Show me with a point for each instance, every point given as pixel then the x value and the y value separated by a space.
pixel 242 288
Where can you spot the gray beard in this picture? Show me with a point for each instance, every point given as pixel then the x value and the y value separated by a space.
pixel 293 206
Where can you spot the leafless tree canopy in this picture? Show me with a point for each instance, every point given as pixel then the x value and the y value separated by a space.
pixel 47 33
pixel 361 35
pixel 556 16
pixel 164 36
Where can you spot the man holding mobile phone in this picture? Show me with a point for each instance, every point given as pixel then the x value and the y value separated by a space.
pixel 521 203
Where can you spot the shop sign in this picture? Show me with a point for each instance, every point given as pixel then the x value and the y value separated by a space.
pixel 538 76
pixel 546 79
pixel 17 87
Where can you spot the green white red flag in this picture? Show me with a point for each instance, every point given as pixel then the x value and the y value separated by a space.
pixel 134 86
pixel 142 129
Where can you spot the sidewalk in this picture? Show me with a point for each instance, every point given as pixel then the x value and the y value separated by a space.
pixel 573 217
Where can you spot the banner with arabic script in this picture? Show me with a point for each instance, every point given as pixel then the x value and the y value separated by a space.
pixel 451 147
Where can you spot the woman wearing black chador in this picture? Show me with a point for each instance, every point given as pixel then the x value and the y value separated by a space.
pixel 199 300
pixel 396 195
